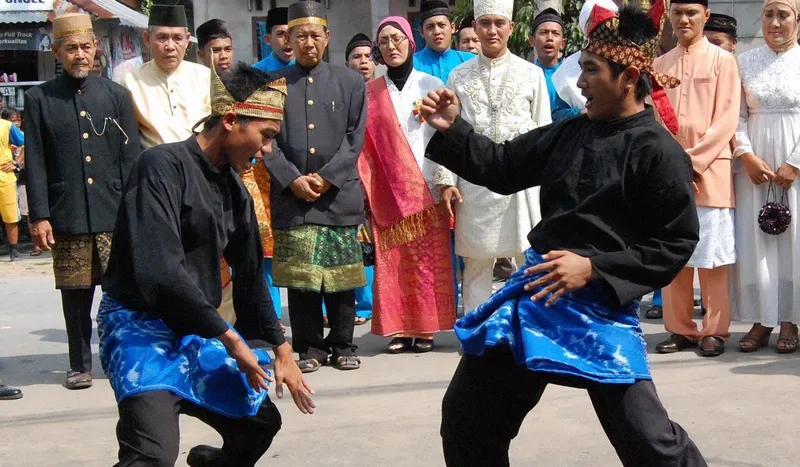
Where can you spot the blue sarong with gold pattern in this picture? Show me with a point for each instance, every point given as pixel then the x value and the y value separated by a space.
pixel 140 353
pixel 579 335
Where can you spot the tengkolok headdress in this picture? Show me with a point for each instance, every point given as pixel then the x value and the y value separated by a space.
pixel 264 103
pixel 606 41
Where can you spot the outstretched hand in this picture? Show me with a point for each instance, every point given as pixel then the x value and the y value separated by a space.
pixel 440 108
pixel 287 372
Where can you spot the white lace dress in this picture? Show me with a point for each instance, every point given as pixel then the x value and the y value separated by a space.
pixel 766 286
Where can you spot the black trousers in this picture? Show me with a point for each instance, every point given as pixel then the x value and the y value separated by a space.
pixel 490 396
pixel 77 306
pixel 148 432
pixel 305 317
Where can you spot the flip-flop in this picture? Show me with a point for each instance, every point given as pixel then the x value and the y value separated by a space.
pixel 308 365
pixel 36 252
pixel 350 362
pixel 359 321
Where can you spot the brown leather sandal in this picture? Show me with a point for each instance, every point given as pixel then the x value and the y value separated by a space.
pixel 788 343
pixel 754 340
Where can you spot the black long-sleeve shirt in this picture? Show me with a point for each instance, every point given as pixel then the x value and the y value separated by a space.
pixel 179 215
pixel 619 192
pixel 76 167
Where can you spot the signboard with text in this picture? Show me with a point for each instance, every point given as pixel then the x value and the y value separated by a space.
pixel 25 39
pixel 26 5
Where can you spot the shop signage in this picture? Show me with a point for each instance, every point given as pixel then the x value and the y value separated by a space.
pixel 24 39
pixel 26 5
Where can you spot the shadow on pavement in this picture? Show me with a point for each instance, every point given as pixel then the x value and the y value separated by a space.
pixel 27 370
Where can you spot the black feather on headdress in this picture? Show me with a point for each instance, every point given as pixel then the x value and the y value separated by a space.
pixel 635 25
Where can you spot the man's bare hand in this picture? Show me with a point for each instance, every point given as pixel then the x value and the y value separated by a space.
pixel 758 170
pixel 450 196
pixel 304 187
pixel 440 109
pixel 563 271
pixel 42 233
pixel 322 185
pixel 785 176
pixel 257 377
pixel 287 372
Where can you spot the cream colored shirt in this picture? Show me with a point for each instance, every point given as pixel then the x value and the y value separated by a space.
pixel 169 105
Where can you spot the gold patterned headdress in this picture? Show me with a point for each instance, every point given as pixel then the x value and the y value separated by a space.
pixel 264 103
pixel 606 40
pixel 72 24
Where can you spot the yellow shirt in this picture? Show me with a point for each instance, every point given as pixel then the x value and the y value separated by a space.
pixel 707 105
pixel 5 152
pixel 168 105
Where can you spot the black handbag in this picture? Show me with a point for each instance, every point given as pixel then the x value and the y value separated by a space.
pixel 774 217
pixel 367 247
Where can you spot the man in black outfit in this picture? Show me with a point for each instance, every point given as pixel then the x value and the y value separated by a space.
pixel 594 254
pixel 80 144
pixel 164 347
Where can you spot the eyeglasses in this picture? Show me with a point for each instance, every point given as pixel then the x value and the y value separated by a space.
pixel 395 40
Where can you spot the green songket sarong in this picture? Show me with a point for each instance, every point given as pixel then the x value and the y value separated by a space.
pixel 318 258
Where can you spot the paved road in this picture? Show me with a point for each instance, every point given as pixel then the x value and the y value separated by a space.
pixel 740 409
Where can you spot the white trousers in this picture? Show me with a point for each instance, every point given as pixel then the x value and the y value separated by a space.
pixel 477 283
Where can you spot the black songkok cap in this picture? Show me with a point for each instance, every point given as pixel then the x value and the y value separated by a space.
pixel 433 8
pixel 549 15
pixel 277 17
pixel 466 23
pixel 359 40
pixel 210 30
pixel 306 12
pixel 721 23
pixel 692 2
pixel 168 15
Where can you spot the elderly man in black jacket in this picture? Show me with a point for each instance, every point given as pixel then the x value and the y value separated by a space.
pixel 81 142
pixel 316 198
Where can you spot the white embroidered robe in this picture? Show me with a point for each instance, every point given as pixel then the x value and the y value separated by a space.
pixel 489 225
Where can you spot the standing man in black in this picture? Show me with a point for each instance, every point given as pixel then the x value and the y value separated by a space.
pixel 81 142
pixel 316 195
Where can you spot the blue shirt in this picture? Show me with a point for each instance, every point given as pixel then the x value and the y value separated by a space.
pixel 15 136
pixel 440 65
pixel 271 63
pixel 560 110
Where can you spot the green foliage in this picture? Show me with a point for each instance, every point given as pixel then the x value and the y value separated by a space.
pixel 145 6
pixel 572 32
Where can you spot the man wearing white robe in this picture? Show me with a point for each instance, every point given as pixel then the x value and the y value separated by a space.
pixel 501 96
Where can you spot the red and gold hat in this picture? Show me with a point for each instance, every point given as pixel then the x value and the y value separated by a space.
pixel 607 38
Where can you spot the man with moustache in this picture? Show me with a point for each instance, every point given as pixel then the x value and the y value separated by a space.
pixel 503 96
pixel 80 144
pixel 707 104
pixel 547 38
pixel 215 45
pixel 316 196
pixel 278 39
pixel 466 39
pixel 169 93
pixel 438 58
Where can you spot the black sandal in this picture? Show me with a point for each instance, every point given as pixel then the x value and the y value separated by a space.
pixel 655 312
pixel 399 345
pixel 350 362
pixel 308 365
pixel 423 345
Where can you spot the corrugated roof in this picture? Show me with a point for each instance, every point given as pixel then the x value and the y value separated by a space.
pixel 112 9
pixel 10 17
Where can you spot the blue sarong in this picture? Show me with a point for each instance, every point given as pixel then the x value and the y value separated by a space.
pixel 579 335
pixel 140 353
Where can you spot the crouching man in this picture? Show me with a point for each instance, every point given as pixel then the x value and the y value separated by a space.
pixel 163 345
